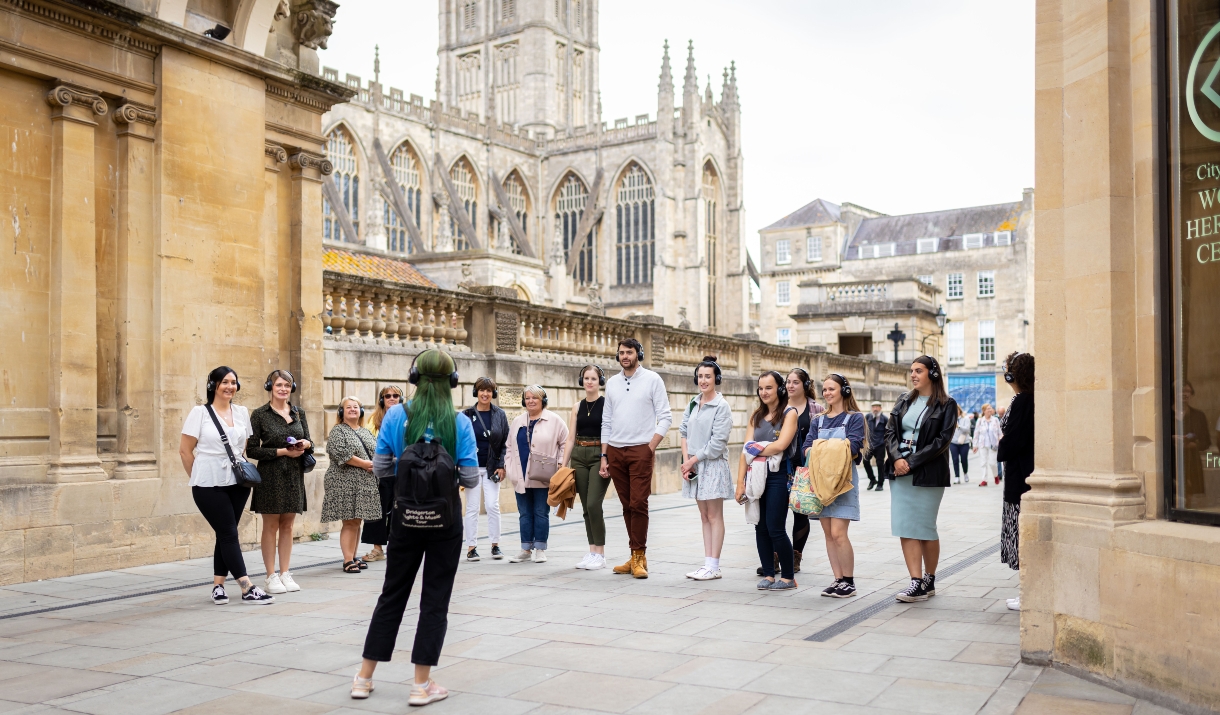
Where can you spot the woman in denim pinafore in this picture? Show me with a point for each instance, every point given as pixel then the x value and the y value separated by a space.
pixel 842 420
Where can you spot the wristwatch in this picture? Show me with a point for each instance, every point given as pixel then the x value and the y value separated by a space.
pixel 605 456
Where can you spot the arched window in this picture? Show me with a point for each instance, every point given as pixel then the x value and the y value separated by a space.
pixel 634 218
pixel 342 154
pixel 406 173
pixel 507 83
pixel 570 203
pixel 468 192
pixel 711 230
pixel 515 189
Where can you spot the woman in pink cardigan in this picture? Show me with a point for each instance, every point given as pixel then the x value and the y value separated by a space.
pixel 536 441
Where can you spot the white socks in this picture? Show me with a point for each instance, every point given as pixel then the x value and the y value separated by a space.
pixel 710 563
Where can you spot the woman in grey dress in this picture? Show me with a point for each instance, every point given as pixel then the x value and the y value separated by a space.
pixel 351 488
pixel 706 478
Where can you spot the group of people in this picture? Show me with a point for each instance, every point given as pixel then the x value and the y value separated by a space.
pixel 606 437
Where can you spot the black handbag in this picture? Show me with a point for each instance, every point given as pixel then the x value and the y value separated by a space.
pixel 245 473
pixel 308 461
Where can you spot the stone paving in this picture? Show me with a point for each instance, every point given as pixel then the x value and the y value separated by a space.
pixel 546 638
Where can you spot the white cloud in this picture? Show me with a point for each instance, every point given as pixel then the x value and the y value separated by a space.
pixel 898 106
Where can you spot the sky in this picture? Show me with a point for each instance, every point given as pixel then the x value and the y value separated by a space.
pixel 900 107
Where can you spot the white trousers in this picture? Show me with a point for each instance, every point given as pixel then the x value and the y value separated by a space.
pixel 989 463
pixel 487 492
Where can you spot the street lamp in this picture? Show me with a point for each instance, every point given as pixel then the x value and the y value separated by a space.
pixel 941 319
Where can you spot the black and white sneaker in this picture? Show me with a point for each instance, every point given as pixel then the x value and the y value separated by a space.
pixel 843 590
pixel 472 555
pixel 914 592
pixel 929 583
pixel 257 597
pixel 496 553
pixel 829 591
pixel 219 597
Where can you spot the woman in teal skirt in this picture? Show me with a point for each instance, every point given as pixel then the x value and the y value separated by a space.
pixel 917 438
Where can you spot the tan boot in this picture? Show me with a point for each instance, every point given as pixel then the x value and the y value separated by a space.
pixel 627 567
pixel 640 568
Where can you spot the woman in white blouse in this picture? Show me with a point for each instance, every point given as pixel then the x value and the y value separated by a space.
pixel 214 487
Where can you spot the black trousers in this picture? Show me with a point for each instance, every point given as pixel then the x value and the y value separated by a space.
pixel 770 536
pixel 879 479
pixel 377 532
pixel 222 507
pixel 439 556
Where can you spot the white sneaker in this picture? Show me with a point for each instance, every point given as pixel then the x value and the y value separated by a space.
pixel 584 563
pixel 289 583
pixel 539 556
pixel 706 574
pixel 523 556
pixel 273 584
pixel 596 562
pixel 695 574
pixel 1014 604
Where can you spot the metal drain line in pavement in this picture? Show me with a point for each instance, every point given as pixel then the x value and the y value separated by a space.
pixel 882 600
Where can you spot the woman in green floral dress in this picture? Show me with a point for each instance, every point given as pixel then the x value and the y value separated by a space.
pixel 351 488
pixel 281 496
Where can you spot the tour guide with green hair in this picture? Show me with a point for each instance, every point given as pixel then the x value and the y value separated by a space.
pixel 429 411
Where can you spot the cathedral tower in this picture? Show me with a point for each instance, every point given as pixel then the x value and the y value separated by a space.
pixel 529 63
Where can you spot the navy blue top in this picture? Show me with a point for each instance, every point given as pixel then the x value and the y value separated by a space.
pixel 523 445
pixel 854 429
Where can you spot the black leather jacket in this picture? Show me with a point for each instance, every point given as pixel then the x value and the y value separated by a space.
pixel 497 424
pixel 930 460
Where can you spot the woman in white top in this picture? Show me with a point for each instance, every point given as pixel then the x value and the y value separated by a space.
pixel 214 487
pixel 959 448
pixel 987 439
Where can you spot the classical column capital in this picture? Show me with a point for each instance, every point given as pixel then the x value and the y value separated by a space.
pixel 276 152
pixel 69 101
pixel 135 119
pixel 303 160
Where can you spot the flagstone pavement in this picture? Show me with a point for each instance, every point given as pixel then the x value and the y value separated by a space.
pixel 546 638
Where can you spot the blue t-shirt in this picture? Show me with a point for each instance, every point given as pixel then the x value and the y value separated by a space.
pixel 393 434
pixel 523 445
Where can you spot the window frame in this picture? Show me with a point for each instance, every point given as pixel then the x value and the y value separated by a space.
pixel 1007 238
pixel 961 286
pixel 968 237
pixel 983 360
pixel 813 248
pixel 920 243
pixel 930 279
pixel 786 251
pixel 960 358
pixel 783 336
pixel 783 288
pixel 978 284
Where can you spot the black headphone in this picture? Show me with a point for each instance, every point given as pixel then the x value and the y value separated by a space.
pixel 413 376
pixel 1008 377
pixel 934 371
pixel 495 391
pixel 345 399
pixel 807 383
pixel 381 398
pixel 708 363
pixel 601 375
pixel 545 400
pixel 845 386
pixel 276 373
pixel 634 345
pixel 211 387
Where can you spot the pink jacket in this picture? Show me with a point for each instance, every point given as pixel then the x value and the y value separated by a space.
pixel 550 439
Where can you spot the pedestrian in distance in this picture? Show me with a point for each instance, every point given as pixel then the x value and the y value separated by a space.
pixel 536 443
pixel 351 488
pixel 584 450
pixel 917 437
pixel 987 440
pixel 635 420
pixel 418 443
pixel 279 440
pixel 875 420
pixel 209 456
pixel 841 420
pixel 706 426
pixel 774 435
pixel 959 448
pixel 1016 449
pixel 377 531
pixel 490 426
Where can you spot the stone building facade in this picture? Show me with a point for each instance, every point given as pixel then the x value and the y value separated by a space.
pixel 509 177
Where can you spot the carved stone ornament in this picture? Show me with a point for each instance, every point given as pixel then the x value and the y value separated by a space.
pixel 281 12
pixel 506 333
pixel 306 160
pixel 132 113
pixel 275 151
pixel 65 95
pixel 596 306
pixel 313 22
pixel 683 321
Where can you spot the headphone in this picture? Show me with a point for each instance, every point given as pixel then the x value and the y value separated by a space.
pixel 806 383
pixel 844 385
pixel 634 345
pixel 545 400
pixel 495 391
pixel 343 401
pixel 1008 376
pixel 779 379
pixel 212 384
pixel 934 370
pixel 414 375
pixel 708 363
pixel 601 375
pixel 381 397
pixel 276 373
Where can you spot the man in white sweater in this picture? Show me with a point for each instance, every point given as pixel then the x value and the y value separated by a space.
pixel 634 421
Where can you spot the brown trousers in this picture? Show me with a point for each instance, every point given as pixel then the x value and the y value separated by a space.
pixel 631 470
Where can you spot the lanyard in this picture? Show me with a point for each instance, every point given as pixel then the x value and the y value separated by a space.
pixel 486 430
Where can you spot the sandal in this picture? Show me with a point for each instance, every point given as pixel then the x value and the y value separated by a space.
pixel 351 567
pixel 360 562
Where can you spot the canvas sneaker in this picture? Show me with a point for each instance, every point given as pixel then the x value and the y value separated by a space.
pixel 539 556
pixel 844 590
pixel 496 553
pixel 472 555
pixel 219 597
pixel 257 597
pixel 829 591
pixel 289 582
pixel 273 584
pixel 929 583
pixel 523 556
pixel 914 592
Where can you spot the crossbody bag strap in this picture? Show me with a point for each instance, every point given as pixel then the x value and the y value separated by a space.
pixel 224 437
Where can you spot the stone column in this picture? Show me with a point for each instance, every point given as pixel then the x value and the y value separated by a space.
pixel 305 327
pixel 72 319
pixel 136 241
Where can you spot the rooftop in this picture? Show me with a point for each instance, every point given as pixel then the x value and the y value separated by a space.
pixel 814 213
pixel 950 226
pixel 372 265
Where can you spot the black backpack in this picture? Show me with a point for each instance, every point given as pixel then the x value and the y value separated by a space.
pixel 426 488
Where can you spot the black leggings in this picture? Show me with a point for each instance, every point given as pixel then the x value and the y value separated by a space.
pixel 439 556
pixel 222 507
pixel 769 534
pixel 800 531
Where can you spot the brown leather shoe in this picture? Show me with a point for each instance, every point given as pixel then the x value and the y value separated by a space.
pixel 640 565
pixel 796 561
pixel 627 567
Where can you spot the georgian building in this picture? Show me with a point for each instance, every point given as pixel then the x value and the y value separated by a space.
pixel 509 177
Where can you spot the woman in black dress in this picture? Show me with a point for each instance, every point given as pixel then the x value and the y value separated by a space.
pixel 1017 450
pixel 279 440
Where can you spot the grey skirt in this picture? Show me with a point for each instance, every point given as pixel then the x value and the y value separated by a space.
pixel 715 481
pixel 913 509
